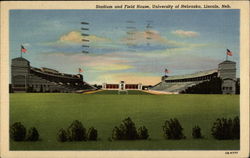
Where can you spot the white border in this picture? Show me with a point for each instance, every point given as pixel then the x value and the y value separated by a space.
pixel 4 69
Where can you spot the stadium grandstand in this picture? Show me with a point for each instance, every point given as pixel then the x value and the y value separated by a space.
pixel 222 80
pixel 25 78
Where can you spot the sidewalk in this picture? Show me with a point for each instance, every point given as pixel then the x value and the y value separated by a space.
pixel 158 92
pixel 91 92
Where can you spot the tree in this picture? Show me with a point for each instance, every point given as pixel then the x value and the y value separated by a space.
pixel 17 132
pixel 33 134
pixel 212 86
pixel 226 128
pixel 196 132
pixel 62 135
pixel 236 128
pixel 92 134
pixel 126 131
pixel 172 129
pixel 76 131
pixel 143 133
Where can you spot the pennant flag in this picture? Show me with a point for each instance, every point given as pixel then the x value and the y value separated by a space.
pixel 229 53
pixel 23 50
pixel 80 70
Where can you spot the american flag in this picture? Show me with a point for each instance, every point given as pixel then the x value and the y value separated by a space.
pixel 23 50
pixel 166 71
pixel 229 53
pixel 80 70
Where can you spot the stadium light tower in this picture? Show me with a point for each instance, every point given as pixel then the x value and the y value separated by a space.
pixel 85 40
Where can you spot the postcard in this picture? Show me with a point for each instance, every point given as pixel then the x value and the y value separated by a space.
pixel 123 78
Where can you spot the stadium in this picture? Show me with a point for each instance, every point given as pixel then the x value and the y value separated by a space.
pixel 26 78
pixel 222 80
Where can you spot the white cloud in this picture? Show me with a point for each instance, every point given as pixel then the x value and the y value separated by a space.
pixel 75 37
pixel 152 36
pixel 141 37
pixel 101 63
pixel 183 33
pixel 155 37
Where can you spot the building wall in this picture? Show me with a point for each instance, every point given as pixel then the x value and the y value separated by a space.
pixel 20 70
pixel 227 69
pixel 228 86
pixel 122 86
pixel 227 72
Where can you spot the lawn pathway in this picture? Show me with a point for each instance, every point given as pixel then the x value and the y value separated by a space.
pixel 158 92
pixel 91 92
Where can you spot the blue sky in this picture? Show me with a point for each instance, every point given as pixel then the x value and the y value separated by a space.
pixel 183 41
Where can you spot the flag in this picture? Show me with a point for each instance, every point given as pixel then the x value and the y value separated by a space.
pixel 80 70
pixel 229 53
pixel 23 50
pixel 166 71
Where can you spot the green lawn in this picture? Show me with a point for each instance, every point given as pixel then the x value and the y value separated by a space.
pixel 52 111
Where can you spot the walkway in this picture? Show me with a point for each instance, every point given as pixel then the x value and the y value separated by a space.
pixel 91 92
pixel 158 92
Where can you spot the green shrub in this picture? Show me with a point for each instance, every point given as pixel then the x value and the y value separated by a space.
pixel 117 134
pixel 33 134
pixel 196 133
pixel 62 135
pixel 76 132
pixel 126 131
pixel 143 133
pixel 236 128
pixel 172 129
pixel 17 132
pixel 92 134
pixel 226 128
pixel 221 129
pixel 129 129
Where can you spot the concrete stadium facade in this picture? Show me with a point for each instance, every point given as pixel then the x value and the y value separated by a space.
pixel 25 78
pixel 226 71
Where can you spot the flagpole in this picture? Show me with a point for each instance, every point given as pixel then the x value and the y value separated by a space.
pixel 21 52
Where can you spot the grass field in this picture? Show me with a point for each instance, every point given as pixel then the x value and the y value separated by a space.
pixel 52 111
